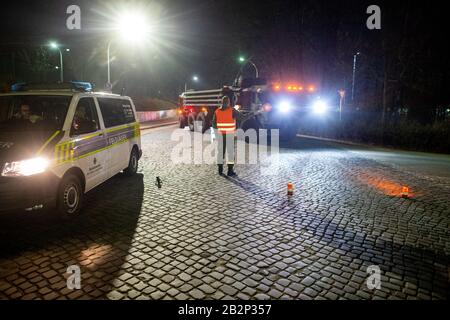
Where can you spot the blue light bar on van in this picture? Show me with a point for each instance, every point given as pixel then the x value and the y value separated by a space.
pixel 72 85
pixel 86 86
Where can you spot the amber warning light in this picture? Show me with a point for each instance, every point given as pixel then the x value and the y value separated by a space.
pixel 290 189
pixel 293 88
pixel 405 192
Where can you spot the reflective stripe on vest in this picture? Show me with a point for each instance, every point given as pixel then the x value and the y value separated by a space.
pixel 225 122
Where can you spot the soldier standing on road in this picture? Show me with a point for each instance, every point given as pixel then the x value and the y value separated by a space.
pixel 224 121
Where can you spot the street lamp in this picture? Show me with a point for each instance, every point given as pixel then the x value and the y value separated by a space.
pixel 354 73
pixel 108 85
pixel 132 27
pixel 54 45
pixel 243 59
pixel 341 102
pixel 194 79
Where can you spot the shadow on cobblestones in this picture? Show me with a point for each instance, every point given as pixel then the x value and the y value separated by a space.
pixel 424 268
pixel 37 248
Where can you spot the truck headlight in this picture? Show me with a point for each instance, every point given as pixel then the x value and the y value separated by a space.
pixel 320 107
pixel 25 167
pixel 267 107
pixel 284 107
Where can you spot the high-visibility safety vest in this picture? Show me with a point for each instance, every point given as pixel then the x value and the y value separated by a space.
pixel 225 122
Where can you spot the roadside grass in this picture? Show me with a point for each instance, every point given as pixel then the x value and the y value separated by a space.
pixel 408 135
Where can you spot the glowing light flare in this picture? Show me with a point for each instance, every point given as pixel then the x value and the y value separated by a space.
pixel 267 107
pixel 384 185
pixel 26 167
pixel 133 26
pixel 290 189
pixel 294 88
pixel 405 192
pixel 320 107
pixel 284 107
pixel 33 166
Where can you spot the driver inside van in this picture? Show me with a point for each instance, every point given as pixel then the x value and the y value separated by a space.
pixel 25 114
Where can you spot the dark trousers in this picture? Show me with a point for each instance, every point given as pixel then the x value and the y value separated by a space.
pixel 226 144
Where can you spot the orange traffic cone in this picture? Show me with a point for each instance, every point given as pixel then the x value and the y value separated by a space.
pixel 290 189
pixel 405 192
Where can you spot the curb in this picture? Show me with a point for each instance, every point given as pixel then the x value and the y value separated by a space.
pixel 158 125
pixel 370 146
pixel 336 141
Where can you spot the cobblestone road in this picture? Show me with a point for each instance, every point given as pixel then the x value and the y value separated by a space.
pixel 202 236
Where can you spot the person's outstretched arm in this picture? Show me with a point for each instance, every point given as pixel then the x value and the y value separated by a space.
pixel 214 121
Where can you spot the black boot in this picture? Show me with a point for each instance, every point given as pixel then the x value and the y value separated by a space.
pixel 220 169
pixel 231 172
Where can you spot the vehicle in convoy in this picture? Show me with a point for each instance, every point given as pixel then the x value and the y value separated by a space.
pixel 274 105
pixel 59 141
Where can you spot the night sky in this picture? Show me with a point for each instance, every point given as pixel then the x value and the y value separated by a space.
pixel 308 41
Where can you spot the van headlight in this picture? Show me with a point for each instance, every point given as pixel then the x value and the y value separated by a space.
pixel 25 167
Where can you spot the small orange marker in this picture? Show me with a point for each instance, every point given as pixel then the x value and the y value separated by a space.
pixel 290 189
pixel 405 192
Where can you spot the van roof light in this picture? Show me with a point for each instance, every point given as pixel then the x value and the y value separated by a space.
pixel 71 85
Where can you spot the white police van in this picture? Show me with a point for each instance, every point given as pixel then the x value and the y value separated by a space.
pixel 59 141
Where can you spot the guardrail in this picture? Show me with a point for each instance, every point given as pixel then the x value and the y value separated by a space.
pixel 206 98
pixel 147 116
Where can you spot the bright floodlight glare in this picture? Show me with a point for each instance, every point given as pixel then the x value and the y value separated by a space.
pixel 284 107
pixel 54 45
pixel 320 107
pixel 133 26
pixel 25 168
pixel 195 78
pixel 241 59
pixel 33 166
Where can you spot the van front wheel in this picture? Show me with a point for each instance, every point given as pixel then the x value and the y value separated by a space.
pixel 133 163
pixel 70 196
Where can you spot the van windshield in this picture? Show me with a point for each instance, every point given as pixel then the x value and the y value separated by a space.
pixel 33 112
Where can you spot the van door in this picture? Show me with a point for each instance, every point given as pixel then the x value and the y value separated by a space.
pixel 118 118
pixel 89 142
